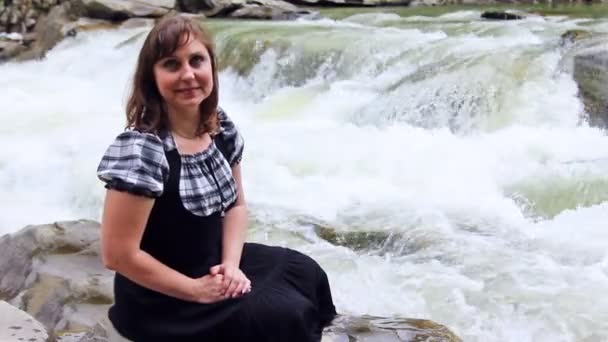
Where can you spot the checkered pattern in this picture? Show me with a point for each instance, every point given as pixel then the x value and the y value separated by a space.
pixel 136 163
pixel 232 141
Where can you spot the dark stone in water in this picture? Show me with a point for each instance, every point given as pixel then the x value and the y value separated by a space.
pixel 500 16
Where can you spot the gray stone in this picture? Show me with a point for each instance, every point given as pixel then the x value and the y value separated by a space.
pixel 63 283
pixel 335 337
pixel 16 325
pixel 195 6
pixel 500 16
pixel 50 29
pixel 376 336
pixel 591 73
pixel 170 4
pixel 370 328
pixel 137 22
pixel 123 9
pixel 370 3
pixel 267 9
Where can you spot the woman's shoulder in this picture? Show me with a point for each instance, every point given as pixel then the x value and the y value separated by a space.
pixel 229 139
pixel 134 141
pixel 135 161
pixel 134 136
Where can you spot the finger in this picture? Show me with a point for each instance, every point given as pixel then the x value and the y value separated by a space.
pixel 217 269
pixel 234 285
pixel 240 285
pixel 238 291
pixel 227 284
pixel 247 288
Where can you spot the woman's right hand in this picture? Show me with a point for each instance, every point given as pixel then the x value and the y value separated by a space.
pixel 208 289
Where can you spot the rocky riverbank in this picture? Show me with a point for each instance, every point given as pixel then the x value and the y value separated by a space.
pixel 56 286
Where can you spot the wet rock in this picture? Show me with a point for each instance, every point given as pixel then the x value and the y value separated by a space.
pixel 267 9
pixel 50 29
pixel 123 9
pixel 246 9
pixel 573 36
pixel 501 16
pixel 10 49
pixel 591 74
pixel 367 3
pixel 371 328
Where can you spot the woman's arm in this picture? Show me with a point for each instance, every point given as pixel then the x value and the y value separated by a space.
pixel 235 232
pixel 235 224
pixel 123 223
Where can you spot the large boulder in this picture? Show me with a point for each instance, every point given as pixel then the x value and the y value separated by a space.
pixel 368 3
pixel 591 74
pixel 267 9
pixel 245 9
pixel 492 15
pixel 123 9
pixel 16 325
pixel 54 273
pixel 62 21
pixel 11 46
pixel 370 328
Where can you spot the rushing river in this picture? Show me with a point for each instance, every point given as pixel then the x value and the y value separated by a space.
pixel 460 140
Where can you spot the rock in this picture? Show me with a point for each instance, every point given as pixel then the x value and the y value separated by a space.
pixel 267 9
pixel 246 9
pixel 370 3
pixel 500 16
pixel 137 22
pixel 375 242
pixel 573 36
pixel 54 273
pixel 195 6
pixel 10 49
pixel 88 24
pixel 221 8
pixel 591 74
pixel 16 325
pixel 123 9
pixel 52 28
pixel 372 329
pixel 170 4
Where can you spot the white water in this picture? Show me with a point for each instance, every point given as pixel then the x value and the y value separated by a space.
pixel 462 135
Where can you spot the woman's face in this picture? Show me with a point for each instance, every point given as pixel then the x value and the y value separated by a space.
pixel 185 78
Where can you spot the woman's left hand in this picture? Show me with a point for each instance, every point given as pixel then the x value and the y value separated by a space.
pixel 236 283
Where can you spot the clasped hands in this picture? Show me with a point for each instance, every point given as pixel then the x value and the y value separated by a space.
pixel 223 281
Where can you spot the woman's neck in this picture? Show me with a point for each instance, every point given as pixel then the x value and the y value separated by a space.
pixel 185 124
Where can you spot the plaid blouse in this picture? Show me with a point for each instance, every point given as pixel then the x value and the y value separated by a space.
pixel 135 162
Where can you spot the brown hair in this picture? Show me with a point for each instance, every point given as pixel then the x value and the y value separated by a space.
pixel 145 110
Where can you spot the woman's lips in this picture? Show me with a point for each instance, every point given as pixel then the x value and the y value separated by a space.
pixel 188 92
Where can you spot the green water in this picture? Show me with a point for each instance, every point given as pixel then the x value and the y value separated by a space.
pixel 571 10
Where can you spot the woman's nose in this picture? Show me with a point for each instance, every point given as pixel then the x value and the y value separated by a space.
pixel 187 73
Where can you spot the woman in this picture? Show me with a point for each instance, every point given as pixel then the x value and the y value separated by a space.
pixel 175 218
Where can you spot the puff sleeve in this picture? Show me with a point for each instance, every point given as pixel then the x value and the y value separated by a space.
pixel 135 162
pixel 231 141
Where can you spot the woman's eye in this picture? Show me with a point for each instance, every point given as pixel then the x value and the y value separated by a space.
pixel 171 64
pixel 196 61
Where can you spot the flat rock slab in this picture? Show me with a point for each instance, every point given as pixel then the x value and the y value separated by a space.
pixel 16 325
